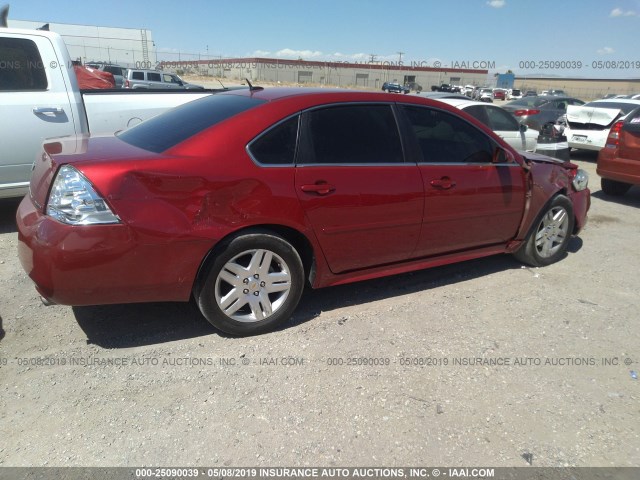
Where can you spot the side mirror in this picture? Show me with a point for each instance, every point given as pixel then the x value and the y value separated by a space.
pixel 499 156
pixel 523 127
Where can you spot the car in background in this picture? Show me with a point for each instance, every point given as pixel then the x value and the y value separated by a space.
pixel 588 126
pixel 530 93
pixel 540 110
pixel 553 93
pixel 441 95
pixel 485 95
pixel 619 160
pixel 504 125
pixel 394 87
pixel 514 94
pixel 467 90
pixel 156 80
pixel 190 206
pixel 499 94
pixel 117 71
pixel 416 87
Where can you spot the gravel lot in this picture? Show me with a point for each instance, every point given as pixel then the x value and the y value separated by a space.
pixel 154 384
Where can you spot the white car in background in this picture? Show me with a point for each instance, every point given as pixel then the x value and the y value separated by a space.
pixel 485 95
pixel 518 135
pixel 588 125
pixel 514 94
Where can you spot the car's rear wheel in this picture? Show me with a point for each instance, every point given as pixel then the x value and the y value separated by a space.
pixel 253 284
pixel 548 240
pixel 614 188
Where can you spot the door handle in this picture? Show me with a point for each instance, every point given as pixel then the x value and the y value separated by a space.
pixel 321 188
pixel 444 183
pixel 54 110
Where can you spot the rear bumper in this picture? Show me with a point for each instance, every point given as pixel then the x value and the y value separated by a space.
pixel 103 264
pixel 612 167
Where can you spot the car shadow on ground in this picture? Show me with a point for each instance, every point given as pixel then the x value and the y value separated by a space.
pixel 8 207
pixel 584 155
pixel 630 199
pixel 125 326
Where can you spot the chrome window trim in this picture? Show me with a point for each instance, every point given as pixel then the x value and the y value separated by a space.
pixel 398 164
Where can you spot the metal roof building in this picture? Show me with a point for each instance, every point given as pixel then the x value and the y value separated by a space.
pixel 341 74
pixel 129 47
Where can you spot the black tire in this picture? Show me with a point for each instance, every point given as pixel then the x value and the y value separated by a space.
pixel 270 308
pixel 548 239
pixel 613 187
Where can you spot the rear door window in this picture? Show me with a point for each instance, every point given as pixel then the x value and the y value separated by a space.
pixel 153 77
pixel 21 68
pixel 352 134
pixel 501 121
pixel 137 75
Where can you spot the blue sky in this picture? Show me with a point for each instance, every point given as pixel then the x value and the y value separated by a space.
pixel 501 33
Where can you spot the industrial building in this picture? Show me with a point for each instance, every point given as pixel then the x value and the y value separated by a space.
pixel 129 47
pixel 341 74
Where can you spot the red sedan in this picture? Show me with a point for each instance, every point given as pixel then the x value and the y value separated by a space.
pixel 239 199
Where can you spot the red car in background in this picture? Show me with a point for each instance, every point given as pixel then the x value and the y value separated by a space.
pixel 499 94
pixel 619 160
pixel 239 199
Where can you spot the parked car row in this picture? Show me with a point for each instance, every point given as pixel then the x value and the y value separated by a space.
pixel 144 79
pixel 610 126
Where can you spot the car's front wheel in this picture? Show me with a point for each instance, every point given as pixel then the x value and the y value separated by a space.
pixel 253 284
pixel 548 241
pixel 614 188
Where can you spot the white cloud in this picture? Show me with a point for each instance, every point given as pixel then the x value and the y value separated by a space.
pixel 618 12
pixel 305 54
pixel 497 3
pixel 605 51
pixel 260 53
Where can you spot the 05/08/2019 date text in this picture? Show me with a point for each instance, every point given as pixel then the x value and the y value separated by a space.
pixel 578 64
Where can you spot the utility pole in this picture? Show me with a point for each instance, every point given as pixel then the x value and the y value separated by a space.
pixel 400 54
pixel 372 57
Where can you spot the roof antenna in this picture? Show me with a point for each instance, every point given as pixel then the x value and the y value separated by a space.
pixel 224 88
pixel 251 87
pixel 4 13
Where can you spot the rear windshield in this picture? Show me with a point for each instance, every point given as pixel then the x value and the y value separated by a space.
pixel 530 101
pixel 625 107
pixel 165 131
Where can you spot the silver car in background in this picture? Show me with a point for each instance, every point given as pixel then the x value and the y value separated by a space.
pixel 156 79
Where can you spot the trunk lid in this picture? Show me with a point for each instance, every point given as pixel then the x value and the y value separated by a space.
pixel 591 118
pixel 75 150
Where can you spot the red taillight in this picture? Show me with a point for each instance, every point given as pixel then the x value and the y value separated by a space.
pixel 613 140
pixel 522 113
pixel 126 84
